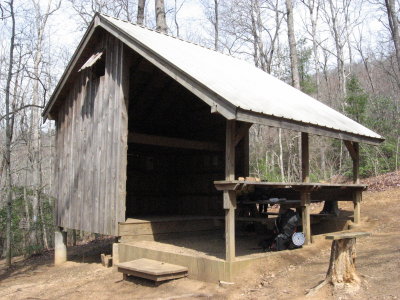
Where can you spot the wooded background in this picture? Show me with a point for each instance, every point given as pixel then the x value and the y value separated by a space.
pixel 346 53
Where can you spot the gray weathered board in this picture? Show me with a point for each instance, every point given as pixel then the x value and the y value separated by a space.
pixel 91 146
pixel 152 269
pixel 346 235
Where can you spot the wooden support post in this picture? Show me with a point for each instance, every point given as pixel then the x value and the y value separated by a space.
pixel 305 195
pixel 230 196
pixel 357 206
pixel 356 163
pixel 354 150
pixel 305 159
pixel 60 246
pixel 246 155
pixel 305 216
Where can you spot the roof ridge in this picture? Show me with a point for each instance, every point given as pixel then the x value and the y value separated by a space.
pixel 171 36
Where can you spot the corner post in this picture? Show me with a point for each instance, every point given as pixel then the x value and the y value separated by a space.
pixel 354 150
pixel 60 246
pixel 305 195
pixel 230 196
pixel 356 163
pixel 357 206
pixel 305 215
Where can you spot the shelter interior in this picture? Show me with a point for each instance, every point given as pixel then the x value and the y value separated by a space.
pixel 175 148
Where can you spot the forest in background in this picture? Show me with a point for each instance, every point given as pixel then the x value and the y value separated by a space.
pixel 346 53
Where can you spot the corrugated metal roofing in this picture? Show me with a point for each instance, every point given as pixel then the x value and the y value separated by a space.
pixel 241 83
pixel 229 81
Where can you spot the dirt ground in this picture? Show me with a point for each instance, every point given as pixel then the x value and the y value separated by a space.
pixel 284 275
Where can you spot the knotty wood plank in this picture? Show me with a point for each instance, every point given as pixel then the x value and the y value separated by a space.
pixel 346 235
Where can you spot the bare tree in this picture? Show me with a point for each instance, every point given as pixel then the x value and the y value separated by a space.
pixel 140 12
pixel 35 145
pixel 177 8
pixel 294 64
pixel 313 7
pixel 393 26
pixel 7 152
pixel 161 23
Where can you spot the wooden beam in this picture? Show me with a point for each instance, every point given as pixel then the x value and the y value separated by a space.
pixel 241 132
pixel 349 146
pixel 305 204
pixel 163 141
pixel 305 158
pixel 354 150
pixel 230 196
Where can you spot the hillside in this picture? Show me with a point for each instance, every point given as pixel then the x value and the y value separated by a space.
pixel 283 276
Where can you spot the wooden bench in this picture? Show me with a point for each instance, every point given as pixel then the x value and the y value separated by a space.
pixel 154 270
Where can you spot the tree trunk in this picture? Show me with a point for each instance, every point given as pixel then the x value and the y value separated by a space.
pixel 294 65
pixel 339 50
pixel 140 12
pixel 394 27
pixel 7 154
pixel 313 8
pixel 342 268
pixel 216 25
pixel 161 24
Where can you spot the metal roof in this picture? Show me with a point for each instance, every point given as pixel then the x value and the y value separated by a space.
pixel 236 88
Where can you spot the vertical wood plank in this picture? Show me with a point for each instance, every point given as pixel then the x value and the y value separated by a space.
pixel 246 154
pixel 356 163
pixel 305 195
pixel 305 217
pixel 230 196
pixel 356 180
pixel 123 136
pixel 357 206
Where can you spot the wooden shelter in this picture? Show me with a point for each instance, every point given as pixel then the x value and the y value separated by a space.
pixel 151 129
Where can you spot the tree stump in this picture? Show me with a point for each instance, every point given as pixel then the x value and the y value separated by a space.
pixel 342 267
pixel 342 270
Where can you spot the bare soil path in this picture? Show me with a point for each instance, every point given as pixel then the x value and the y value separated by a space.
pixel 285 275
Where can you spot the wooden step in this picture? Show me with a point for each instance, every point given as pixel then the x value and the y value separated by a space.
pixel 152 270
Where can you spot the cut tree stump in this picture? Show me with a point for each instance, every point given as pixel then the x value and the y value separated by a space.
pixel 342 269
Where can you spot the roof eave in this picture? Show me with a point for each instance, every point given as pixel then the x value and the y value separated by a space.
pixel 279 122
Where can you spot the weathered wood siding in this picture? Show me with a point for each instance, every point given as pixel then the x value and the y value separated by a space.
pixel 91 144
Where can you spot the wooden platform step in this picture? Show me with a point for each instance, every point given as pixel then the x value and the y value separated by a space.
pixel 152 270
